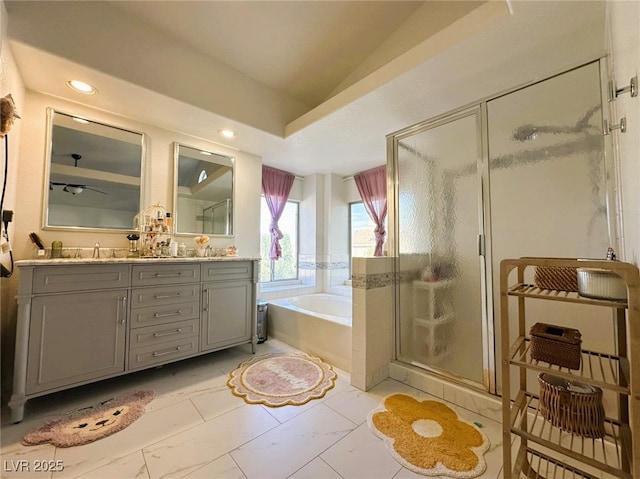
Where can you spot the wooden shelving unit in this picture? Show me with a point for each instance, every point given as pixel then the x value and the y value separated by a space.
pixel 545 451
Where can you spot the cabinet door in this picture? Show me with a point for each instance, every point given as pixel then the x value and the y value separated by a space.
pixel 227 313
pixel 75 338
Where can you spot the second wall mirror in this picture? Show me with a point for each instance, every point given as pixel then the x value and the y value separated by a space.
pixel 203 192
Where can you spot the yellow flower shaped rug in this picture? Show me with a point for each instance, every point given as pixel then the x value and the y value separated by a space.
pixel 429 438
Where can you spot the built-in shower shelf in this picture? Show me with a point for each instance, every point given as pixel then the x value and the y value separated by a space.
pixel 432 318
pixel 426 322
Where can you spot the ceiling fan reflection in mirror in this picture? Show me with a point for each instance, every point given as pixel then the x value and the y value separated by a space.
pixel 74 189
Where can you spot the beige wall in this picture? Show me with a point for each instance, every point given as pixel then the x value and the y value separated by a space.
pixel 10 82
pixel 157 179
pixel 623 41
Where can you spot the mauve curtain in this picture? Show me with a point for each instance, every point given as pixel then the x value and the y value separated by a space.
pixel 372 186
pixel 276 186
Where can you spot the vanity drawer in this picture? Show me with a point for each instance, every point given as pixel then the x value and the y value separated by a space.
pixel 157 274
pixel 173 294
pixel 227 270
pixel 162 353
pixel 162 314
pixel 56 279
pixel 170 332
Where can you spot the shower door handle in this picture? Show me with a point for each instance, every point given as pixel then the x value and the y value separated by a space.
pixel 481 246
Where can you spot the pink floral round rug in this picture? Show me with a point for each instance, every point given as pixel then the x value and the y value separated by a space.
pixel 282 379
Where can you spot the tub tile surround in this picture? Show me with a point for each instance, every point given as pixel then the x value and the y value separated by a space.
pixel 319 324
pixel 316 274
pixel 195 428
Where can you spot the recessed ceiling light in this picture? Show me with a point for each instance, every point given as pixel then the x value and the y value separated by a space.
pixel 80 120
pixel 206 153
pixel 227 133
pixel 81 87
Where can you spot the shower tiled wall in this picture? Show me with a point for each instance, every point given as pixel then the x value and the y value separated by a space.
pixel 373 341
pixel 372 350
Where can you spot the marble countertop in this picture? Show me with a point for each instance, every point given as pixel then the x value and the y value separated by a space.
pixel 144 260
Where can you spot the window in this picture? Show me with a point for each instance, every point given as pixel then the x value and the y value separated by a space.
pixel 286 268
pixel 363 241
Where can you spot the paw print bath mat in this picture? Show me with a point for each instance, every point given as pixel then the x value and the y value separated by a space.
pixel 92 423
pixel 429 438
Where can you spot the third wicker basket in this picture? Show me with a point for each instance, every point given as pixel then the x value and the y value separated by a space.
pixel 573 407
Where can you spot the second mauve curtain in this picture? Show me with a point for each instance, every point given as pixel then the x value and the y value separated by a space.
pixel 276 186
pixel 372 186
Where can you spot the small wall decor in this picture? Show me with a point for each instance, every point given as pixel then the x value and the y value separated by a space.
pixel 8 114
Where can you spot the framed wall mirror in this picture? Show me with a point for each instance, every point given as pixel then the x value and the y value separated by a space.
pixel 92 176
pixel 204 192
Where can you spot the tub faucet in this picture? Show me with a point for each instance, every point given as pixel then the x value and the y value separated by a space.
pixel 96 250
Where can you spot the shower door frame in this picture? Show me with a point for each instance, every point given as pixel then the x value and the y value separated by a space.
pixel 613 204
pixel 478 110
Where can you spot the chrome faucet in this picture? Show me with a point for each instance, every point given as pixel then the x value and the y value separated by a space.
pixel 96 250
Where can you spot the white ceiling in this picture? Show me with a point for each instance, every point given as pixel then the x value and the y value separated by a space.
pixel 304 49
pixel 310 86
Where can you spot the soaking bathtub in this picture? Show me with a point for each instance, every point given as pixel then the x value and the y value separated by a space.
pixel 318 324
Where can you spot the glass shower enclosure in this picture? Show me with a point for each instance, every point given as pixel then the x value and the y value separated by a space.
pixel 521 174
pixel 439 230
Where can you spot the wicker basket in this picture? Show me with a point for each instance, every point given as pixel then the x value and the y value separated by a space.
pixel 573 407
pixel 556 345
pixel 561 278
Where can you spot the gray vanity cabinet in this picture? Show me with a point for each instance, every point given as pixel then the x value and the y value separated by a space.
pixel 80 322
pixel 75 338
pixel 72 325
pixel 227 304
pixel 226 318
pixel 165 313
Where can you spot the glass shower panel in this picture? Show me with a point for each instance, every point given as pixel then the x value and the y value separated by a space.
pixel 547 179
pixel 439 294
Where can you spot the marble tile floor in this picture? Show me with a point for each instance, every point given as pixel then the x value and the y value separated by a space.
pixel 196 429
